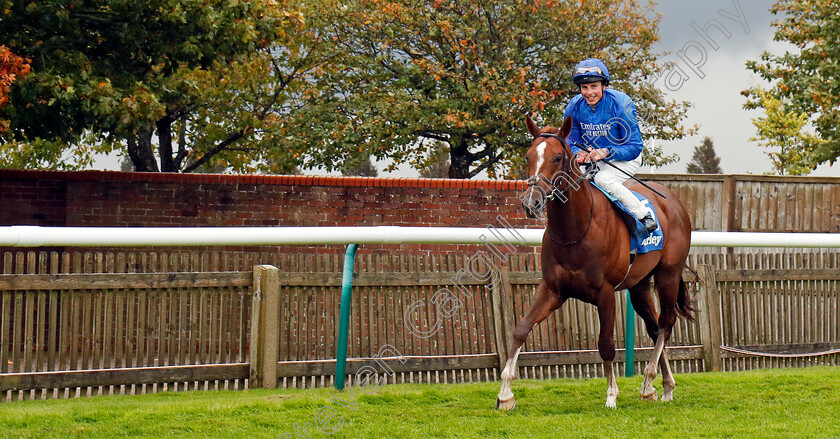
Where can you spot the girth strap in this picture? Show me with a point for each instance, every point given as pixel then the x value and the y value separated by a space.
pixel 629 266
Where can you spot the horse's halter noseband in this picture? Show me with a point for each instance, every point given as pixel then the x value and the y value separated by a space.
pixel 532 181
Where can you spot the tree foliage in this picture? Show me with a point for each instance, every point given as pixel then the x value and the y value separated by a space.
pixel 804 90
pixel 437 164
pixel 704 160
pixel 465 73
pixel 12 67
pixel 785 134
pixel 274 85
pixel 196 77
pixel 360 167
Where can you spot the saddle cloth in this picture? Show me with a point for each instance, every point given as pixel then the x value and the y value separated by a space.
pixel 640 240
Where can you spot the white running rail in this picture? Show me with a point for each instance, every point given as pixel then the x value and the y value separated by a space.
pixel 38 236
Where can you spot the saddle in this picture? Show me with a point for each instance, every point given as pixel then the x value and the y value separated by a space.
pixel 640 240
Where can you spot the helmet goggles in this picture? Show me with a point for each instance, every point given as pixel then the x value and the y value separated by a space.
pixel 589 70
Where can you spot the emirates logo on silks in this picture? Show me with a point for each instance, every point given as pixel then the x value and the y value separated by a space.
pixel 595 129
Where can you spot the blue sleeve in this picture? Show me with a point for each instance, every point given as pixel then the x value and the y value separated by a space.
pixel 574 135
pixel 628 132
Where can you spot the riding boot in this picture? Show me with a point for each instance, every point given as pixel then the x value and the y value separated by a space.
pixel 649 223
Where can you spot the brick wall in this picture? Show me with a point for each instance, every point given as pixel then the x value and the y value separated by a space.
pixel 95 198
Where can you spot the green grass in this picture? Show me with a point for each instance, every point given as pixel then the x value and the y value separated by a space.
pixel 780 403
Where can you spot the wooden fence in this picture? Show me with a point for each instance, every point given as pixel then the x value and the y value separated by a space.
pixel 757 203
pixel 70 327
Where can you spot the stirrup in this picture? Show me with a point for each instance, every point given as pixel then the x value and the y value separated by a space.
pixel 649 223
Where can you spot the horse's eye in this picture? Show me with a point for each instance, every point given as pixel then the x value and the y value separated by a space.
pixel 558 159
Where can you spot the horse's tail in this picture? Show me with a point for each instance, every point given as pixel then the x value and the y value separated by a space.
pixel 685 304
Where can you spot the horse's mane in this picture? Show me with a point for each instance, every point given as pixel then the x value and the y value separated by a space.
pixel 550 130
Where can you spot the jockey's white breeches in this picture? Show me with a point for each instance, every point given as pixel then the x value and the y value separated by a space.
pixel 612 181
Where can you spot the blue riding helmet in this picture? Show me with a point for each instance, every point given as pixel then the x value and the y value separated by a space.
pixel 591 70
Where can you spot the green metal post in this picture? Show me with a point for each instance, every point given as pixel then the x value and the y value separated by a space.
pixel 344 316
pixel 629 338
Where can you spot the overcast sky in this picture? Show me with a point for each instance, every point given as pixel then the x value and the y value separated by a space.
pixel 716 95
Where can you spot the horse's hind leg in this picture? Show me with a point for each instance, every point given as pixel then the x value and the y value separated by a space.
pixel 642 299
pixel 668 382
pixel 545 302
pixel 667 285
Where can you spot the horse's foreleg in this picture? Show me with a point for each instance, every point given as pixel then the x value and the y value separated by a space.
pixel 505 400
pixel 612 386
pixel 545 301
pixel 606 346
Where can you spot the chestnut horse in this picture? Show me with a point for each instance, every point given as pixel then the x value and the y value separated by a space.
pixel 586 256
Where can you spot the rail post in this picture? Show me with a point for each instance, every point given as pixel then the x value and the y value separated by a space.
pixel 709 318
pixel 265 321
pixel 629 338
pixel 344 316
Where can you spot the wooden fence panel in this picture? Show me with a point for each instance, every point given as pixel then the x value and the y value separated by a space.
pixel 380 305
pixel 130 320
pixel 783 312
pixel 90 324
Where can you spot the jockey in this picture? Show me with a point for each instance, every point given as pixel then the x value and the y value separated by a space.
pixel 605 124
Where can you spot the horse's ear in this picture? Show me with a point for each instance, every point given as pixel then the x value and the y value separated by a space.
pixel 532 127
pixel 567 127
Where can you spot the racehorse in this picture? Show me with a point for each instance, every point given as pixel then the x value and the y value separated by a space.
pixel 586 256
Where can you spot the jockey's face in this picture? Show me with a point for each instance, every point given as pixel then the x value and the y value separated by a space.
pixel 592 92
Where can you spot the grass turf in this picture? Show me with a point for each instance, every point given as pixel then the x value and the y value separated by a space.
pixel 764 403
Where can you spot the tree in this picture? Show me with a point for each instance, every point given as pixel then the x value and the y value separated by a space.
pixel 196 77
pixel 465 73
pixel 12 67
pixel 436 164
pixel 784 132
pixel 362 167
pixel 704 160
pixel 804 90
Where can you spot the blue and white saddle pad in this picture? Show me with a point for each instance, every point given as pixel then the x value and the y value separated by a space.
pixel 640 240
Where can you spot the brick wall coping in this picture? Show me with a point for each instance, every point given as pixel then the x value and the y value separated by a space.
pixel 304 180
pixel 317 180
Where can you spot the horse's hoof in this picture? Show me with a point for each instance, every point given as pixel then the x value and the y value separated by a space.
pixel 610 404
pixel 667 396
pixel 505 405
pixel 650 396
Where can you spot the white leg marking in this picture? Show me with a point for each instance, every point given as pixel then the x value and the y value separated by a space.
pixel 648 391
pixel 505 398
pixel 612 386
pixel 668 382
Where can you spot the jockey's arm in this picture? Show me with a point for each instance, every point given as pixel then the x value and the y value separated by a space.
pixel 628 142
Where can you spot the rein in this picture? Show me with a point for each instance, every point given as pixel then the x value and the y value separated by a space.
pixel 571 184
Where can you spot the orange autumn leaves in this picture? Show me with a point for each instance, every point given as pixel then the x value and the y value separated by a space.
pixel 12 67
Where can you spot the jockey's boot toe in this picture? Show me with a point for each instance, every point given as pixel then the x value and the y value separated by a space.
pixel 649 223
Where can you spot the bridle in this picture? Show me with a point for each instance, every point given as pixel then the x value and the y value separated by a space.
pixel 533 180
